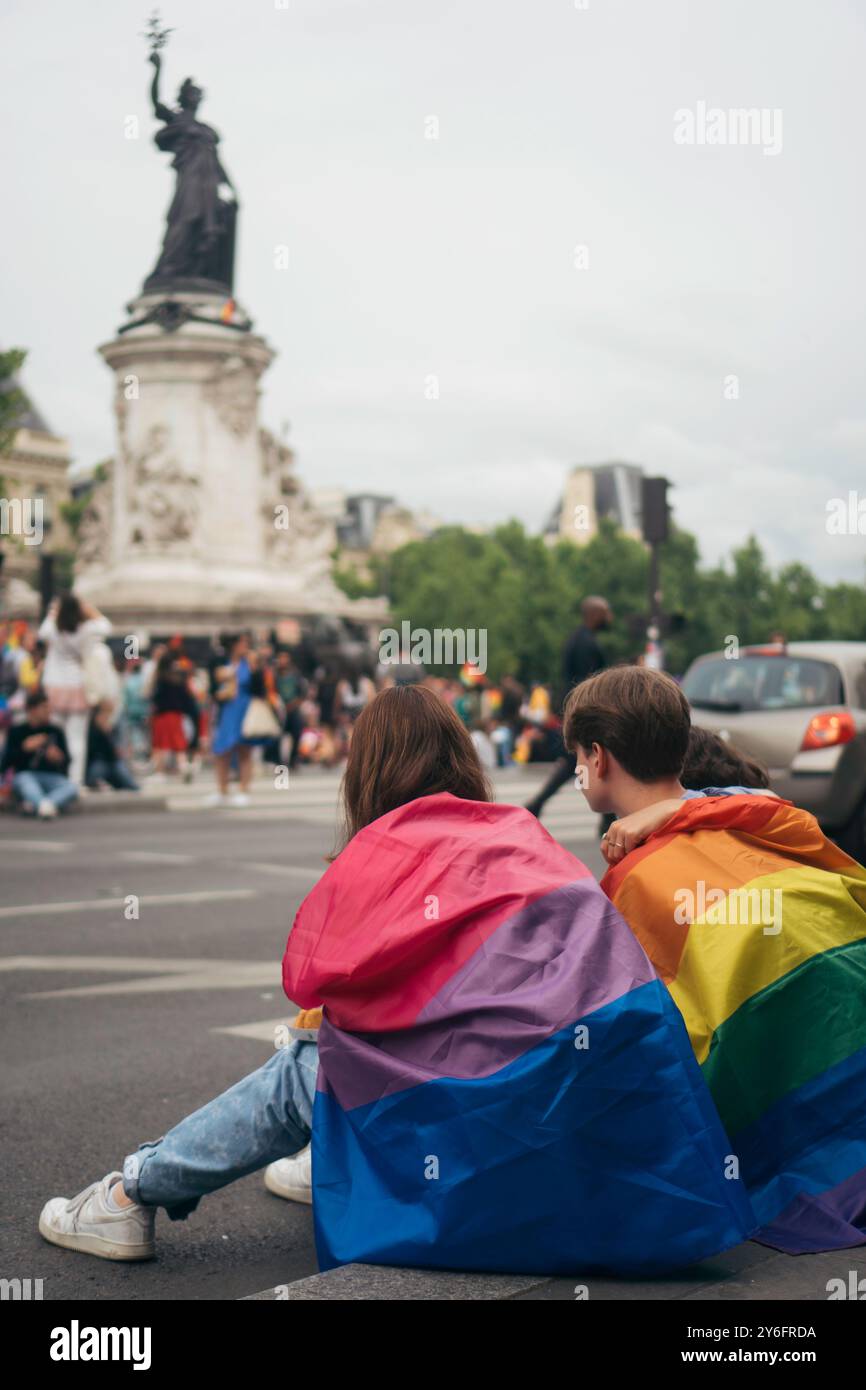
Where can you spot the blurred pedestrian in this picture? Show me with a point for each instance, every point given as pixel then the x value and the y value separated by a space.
pixel 105 765
pixel 172 705
pixel 233 694
pixel 69 631
pixel 582 656
pixel 292 688
pixel 37 755
pixel 136 710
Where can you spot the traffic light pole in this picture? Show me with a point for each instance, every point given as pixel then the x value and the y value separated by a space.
pixel 654 507
pixel 654 654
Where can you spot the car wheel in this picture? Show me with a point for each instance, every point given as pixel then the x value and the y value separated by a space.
pixel 853 838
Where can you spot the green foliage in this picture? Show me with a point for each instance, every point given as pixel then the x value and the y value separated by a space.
pixel 527 595
pixel 352 584
pixel 12 400
pixel 73 510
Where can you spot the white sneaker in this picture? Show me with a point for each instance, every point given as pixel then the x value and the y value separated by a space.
pixel 240 799
pixel 216 799
pixel 88 1224
pixel 292 1178
pixel 46 809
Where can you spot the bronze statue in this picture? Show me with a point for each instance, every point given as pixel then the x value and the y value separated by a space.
pixel 198 248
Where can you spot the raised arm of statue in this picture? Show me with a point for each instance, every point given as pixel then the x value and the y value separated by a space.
pixel 162 113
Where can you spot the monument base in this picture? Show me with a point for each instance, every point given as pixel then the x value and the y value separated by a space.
pixel 200 524
pixel 196 601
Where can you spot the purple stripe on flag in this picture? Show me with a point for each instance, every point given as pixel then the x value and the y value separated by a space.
pixel 831 1220
pixel 560 958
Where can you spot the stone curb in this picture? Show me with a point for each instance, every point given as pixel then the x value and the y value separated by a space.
pixel 387 1283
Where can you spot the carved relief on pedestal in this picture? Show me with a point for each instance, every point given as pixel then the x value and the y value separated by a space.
pixel 93 538
pixel 163 497
pixel 234 395
pixel 295 537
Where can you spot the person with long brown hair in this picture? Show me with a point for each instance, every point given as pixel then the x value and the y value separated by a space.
pixel 462 1119
pixel 407 744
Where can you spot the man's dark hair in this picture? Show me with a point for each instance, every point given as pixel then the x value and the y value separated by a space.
pixel 638 715
pixel 34 698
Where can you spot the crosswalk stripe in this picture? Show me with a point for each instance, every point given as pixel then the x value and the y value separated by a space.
pixel 39 846
pixel 283 870
pixel 265 1031
pixel 118 904
pixel 147 856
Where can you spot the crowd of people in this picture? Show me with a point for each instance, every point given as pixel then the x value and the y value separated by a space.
pixel 83 710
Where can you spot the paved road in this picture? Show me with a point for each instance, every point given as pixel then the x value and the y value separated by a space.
pixel 114 1028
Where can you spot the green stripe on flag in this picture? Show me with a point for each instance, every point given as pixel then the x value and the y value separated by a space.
pixel 788 1034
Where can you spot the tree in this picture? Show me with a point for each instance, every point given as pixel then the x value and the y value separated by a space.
pixel 527 595
pixel 13 401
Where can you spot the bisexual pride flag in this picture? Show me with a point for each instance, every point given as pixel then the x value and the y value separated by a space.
pixel 504 1082
pixel 757 924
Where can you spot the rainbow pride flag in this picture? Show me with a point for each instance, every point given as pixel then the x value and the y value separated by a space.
pixel 504 1082
pixel 757 924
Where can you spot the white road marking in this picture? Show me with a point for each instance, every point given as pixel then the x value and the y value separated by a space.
pixel 285 813
pixel 147 856
pixel 282 870
pixel 118 904
pixel 40 846
pixel 161 975
pixel 260 1032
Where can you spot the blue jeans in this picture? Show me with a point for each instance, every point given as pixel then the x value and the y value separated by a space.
pixel 268 1115
pixel 116 774
pixel 38 786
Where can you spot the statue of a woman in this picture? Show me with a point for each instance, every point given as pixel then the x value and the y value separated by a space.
pixel 198 249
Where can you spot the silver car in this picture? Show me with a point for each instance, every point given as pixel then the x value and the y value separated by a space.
pixel 800 709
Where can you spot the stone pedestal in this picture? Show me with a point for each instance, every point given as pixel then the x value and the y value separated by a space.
pixel 200 525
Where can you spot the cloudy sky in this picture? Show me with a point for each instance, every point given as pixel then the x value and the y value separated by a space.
pixel 454 258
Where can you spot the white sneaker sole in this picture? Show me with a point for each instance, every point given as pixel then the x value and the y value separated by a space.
pixel 290 1194
pixel 95 1245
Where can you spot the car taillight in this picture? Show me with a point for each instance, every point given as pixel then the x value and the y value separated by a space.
pixel 826 729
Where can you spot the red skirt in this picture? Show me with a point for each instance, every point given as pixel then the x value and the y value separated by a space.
pixel 167 733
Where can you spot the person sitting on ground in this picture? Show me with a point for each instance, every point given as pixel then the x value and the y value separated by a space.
pixel 37 755
pixel 463 961
pixel 105 766
pixel 757 924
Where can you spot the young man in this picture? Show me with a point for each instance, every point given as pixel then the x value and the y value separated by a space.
pixel 37 755
pixel 757 924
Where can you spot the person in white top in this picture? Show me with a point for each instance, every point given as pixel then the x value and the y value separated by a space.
pixel 69 630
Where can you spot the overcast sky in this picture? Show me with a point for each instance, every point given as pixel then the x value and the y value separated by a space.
pixel 455 258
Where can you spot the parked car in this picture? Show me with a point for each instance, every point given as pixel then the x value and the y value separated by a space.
pixel 800 709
